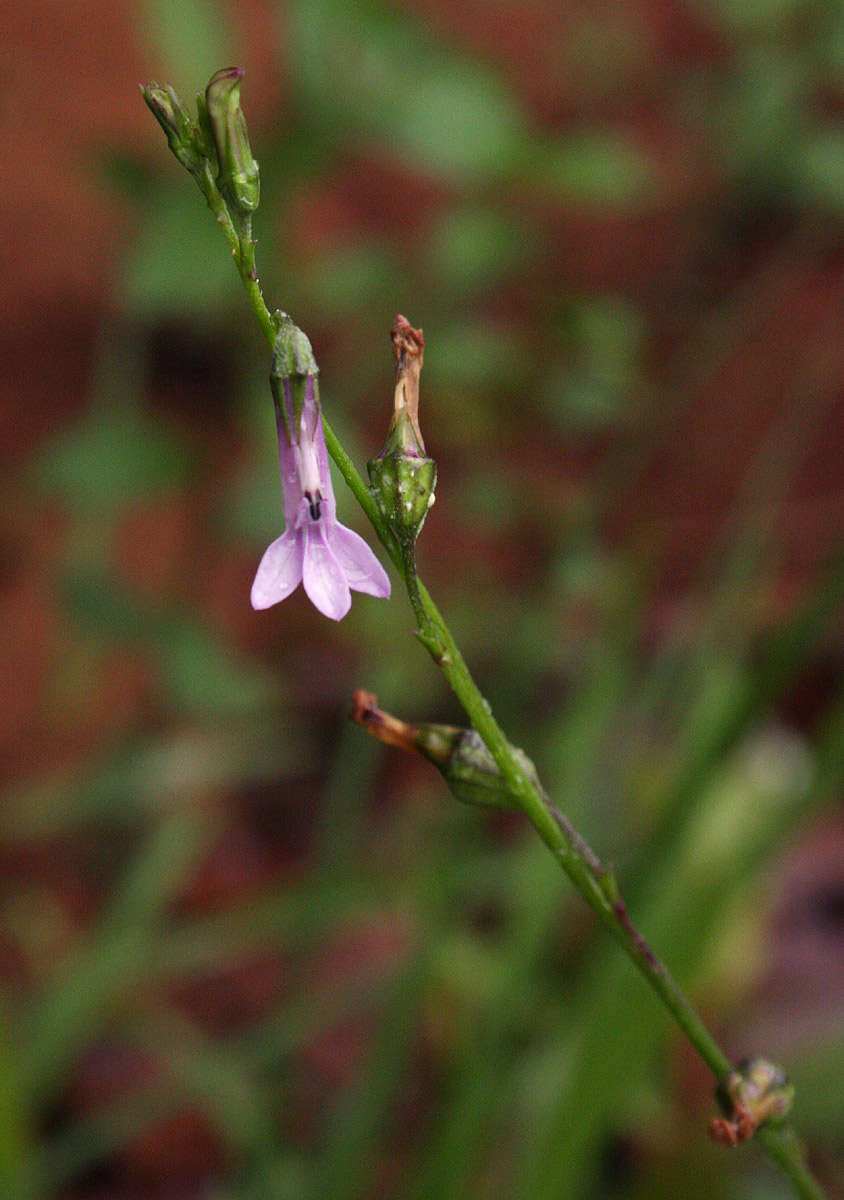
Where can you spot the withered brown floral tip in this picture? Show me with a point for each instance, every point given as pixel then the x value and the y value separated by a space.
pixel 380 724
pixel 364 706
pixel 733 1132
pixel 406 340
pixel 408 348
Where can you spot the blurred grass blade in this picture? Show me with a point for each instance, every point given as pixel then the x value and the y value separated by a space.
pixel 75 1005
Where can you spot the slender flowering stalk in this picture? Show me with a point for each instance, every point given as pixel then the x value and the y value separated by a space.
pixel 315 549
pixel 480 763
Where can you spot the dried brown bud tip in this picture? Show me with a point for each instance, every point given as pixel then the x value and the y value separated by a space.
pixel 407 342
pixel 409 351
pixel 382 725
pixel 733 1132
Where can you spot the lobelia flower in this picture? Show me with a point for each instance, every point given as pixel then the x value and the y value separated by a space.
pixel 315 549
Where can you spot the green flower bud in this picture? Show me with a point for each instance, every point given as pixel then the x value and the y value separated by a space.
pixel 760 1086
pixel 460 755
pixel 756 1093
pixel 403 478
pixel 237 176
pixel 183 136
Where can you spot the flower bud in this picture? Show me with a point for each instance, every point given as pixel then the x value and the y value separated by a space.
pixel 757 1092
pixel 403 478
pixel 237 176
pixel 183 136
pixel 460 755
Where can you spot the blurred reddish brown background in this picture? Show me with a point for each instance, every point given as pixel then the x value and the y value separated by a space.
pixel 750 285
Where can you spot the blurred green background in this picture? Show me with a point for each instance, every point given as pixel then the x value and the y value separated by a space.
pixel 246 952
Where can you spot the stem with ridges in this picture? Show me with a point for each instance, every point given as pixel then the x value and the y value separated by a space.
pixel 595 883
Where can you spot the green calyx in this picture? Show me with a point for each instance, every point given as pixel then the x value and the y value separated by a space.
pixel 467 765
pixel 293 365
pixel 403 486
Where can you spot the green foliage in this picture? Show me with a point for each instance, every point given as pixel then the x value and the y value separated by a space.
pixel 344 281
pixel 820 171
pixel 191 38
pixel 595 168
pixel 402 90
pixel 472 248
pixel 601 343
pixel 173 263
pixel 112 460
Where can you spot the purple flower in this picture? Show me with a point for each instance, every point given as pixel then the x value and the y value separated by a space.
pixel 315 549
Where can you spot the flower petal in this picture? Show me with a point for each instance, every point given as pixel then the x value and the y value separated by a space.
pixel 362 569
pixel 279 571
pixel 322 575
pixel 290 490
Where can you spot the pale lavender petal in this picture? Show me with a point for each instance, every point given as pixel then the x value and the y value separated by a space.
pixel 290 490
pixel 310 431
pixel 362 569
pixel 279 571
pixel 322 574
pixel 324 470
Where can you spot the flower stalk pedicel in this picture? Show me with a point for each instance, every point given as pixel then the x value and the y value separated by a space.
pixel 315 549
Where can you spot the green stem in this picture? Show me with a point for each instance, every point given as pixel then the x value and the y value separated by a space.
pixel 592 880
pixel 595 883
pixel 783 1147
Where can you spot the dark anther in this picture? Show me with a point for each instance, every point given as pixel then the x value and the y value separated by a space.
pixel 314 500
